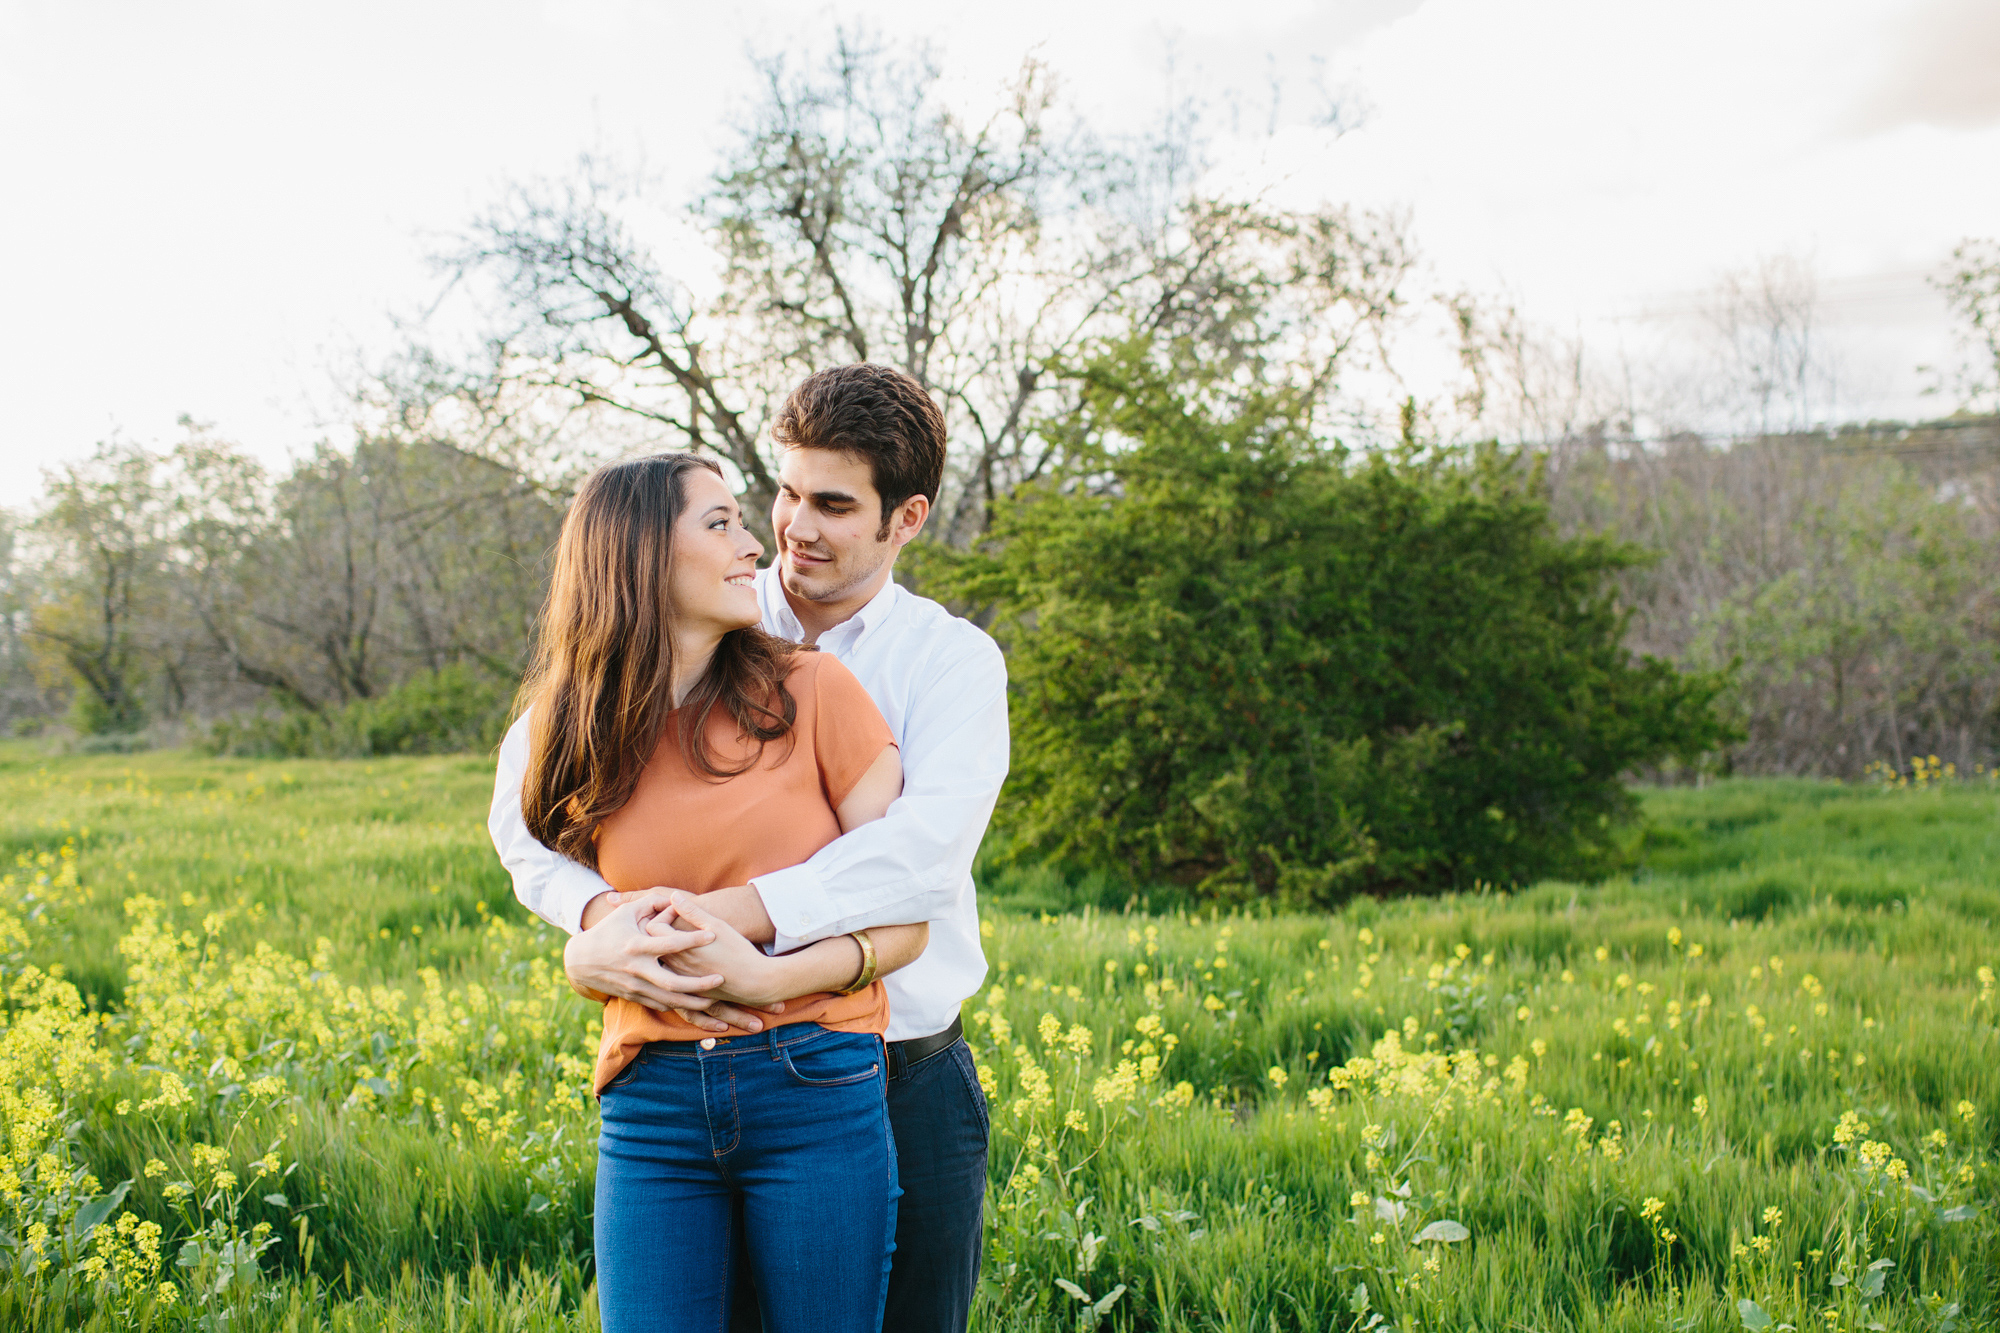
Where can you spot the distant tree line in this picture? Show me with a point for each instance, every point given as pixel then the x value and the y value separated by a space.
pixel 1846 584
pixel 160 587
pixel 1272 630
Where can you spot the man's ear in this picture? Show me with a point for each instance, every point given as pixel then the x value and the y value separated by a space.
pixel 908 520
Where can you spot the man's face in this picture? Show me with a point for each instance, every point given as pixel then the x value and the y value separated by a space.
pixel 828 520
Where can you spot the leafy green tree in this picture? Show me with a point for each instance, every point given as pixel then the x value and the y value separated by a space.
pixel 1246 661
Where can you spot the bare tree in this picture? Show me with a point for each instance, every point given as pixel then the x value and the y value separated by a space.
pixel 862 218
pixel 1772 372
pixel 1522 385
pixel 363 566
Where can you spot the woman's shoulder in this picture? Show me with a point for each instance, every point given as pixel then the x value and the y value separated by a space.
pixel 802 667
pixel 827 692
pixel 811 672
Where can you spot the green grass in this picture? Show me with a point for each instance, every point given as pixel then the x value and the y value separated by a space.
pixel 342 930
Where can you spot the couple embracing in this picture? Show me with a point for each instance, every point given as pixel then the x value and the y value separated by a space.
pixel 753 797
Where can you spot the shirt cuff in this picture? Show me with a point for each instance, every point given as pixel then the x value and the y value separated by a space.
pixel 569 891
pixel 797 904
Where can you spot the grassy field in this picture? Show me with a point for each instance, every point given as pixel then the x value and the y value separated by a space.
pixel 281 1052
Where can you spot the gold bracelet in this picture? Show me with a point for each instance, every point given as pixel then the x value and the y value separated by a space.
pixel 867 977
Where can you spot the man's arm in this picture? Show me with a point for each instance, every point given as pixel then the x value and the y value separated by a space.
pixel 910 865
pixel 549 884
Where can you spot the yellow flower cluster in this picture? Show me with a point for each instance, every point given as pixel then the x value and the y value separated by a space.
pixel 1393 1070
pixel 204 1013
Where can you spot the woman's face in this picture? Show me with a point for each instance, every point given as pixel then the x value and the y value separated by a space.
pixel 715 559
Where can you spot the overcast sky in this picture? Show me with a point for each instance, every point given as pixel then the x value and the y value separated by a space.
pixel 211 206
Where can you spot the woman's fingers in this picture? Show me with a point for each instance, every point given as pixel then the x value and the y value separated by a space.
pixel 736 1016
pixel 658 941
pixel 668 1002
pixel 686 909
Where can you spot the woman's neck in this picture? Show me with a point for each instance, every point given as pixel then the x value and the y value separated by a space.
pixel 691 658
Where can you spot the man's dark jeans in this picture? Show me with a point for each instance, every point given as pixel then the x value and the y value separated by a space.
pixel 938 1115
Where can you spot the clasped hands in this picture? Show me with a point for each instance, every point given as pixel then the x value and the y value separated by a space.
pixel 659 948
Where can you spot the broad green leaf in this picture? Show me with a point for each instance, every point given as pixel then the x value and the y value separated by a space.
pixel 91 1214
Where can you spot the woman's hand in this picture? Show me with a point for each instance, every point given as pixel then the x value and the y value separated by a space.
pixel 748 975
pixel 624 956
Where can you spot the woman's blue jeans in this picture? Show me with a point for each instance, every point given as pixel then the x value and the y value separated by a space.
pixel 771 1153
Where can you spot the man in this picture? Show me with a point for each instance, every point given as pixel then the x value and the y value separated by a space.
pixel 863 460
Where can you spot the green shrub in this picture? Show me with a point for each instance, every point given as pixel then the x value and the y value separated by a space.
pixel 1246 662
pixel 457 708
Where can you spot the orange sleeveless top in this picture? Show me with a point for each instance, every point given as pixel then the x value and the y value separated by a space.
pixel 684 830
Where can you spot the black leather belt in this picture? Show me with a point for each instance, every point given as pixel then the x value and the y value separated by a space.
pixel 903 1054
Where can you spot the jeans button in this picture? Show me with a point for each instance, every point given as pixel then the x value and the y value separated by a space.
pixel 708 1043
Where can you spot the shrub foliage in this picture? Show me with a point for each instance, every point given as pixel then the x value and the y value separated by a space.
pixel 457 708
pixel 1244 660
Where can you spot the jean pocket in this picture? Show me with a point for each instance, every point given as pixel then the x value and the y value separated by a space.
pixel 961 1058
pixel 833 1061
pixel 627 1074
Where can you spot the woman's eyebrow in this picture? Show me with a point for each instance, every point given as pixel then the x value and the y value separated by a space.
pixel 720 508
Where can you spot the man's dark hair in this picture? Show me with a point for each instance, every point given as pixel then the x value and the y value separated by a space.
pixel 877 412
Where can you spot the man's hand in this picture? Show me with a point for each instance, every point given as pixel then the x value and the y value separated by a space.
pixel 618 957
pixel 739 905
pixel 751 978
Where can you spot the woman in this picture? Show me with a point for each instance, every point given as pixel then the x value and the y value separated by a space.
pixel 674 742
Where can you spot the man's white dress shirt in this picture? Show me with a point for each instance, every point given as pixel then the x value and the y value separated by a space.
pixel 941 684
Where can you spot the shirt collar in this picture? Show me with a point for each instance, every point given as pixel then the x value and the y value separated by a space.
pixel 780 619
pixel 871 616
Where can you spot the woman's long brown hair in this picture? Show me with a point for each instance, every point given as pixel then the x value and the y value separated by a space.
pixel 601 686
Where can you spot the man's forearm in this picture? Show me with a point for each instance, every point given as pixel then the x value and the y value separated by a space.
pixel 594 911
pixel 740 906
